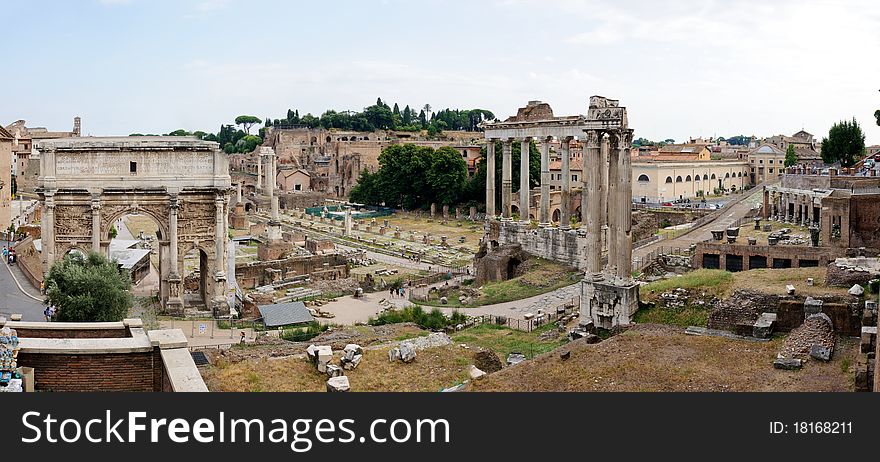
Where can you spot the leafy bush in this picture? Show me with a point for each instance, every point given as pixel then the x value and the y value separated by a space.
pixel 303 334
pixel 89 289
pixel 433 320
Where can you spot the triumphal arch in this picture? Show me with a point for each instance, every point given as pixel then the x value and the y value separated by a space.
pixel 602 246
pixel 182 183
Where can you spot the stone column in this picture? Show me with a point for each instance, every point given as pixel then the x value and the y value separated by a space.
pixel 490 180
pixel 766 204
pixel 565 211
pixel 172 236
pixel 591 204
pixel 544 218
pixel 624 236
pixel 174 304
pixel 220 304
pixel 96 224
pixel 603 189
pixel 613 201
pixel 506 180
pixel 48 232
pixel 259 171
pixel 524 180
pixel 221 234
pixel 239 194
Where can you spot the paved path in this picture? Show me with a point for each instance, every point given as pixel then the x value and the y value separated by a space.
pixel 12 298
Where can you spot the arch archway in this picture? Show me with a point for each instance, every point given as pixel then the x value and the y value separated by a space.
pixel 644 178
pixel 99 180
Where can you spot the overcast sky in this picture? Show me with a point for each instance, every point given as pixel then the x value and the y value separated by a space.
pixel 682 68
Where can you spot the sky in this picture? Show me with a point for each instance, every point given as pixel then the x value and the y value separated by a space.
pixel 682 68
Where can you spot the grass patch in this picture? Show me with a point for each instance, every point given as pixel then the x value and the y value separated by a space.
pixel 717 281
pixel 504 340
pixel 683 316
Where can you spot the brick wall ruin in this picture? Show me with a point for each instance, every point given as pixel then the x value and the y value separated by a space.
pixel 260 273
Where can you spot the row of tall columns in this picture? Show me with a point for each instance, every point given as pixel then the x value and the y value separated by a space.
pixel 607 203
pixel 524 184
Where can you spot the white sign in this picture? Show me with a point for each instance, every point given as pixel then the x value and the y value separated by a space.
pixel 203 328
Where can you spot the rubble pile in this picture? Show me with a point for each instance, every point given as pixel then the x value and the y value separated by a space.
pixel 488 361
pixel 681 298
pixel 816 333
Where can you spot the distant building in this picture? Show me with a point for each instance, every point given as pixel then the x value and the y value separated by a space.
pixel 293 180
pixel 26 166
pixel 767 161
pixel 6 162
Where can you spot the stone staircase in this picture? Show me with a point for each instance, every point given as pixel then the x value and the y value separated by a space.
pixel 298 293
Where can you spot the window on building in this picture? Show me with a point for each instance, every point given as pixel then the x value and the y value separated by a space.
pixel 770 161
pixel 678 179
pixel 669 179
pixel 574 178
pixel 771 170
pixel 133 168
pixel 643 178
pixel 688 179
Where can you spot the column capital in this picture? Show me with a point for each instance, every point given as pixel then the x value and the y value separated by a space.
pixel 592 137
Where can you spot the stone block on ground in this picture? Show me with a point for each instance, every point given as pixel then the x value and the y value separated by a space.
pixel 474 373
pixel 789 289
pixel 338 384
pixel 515 358
pixel 787 364
pixel 353 347
pixel 394 354
pixel 334 371
pixel 353 363
pixel 856 290
pixel 407 352
pixel 764 326
pixel 820 352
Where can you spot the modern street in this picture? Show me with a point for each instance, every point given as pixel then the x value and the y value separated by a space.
pixel 12 300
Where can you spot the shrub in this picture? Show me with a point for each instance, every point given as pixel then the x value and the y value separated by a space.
pixel 433 320
pixel 303 334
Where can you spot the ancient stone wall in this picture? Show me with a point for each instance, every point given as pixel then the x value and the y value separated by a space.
pixel 774 256
pixel 95 372
pixel 563 246
pixel 739 312
pixel 251 275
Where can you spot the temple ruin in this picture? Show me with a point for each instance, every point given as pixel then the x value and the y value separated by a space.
pixel 609 296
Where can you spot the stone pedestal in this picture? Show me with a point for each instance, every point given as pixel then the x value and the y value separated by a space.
pixel 238 220
pixel 273 250
pixel 609 303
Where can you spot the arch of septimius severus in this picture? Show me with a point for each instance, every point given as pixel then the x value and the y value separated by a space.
pixel 609 296
pixel 86 184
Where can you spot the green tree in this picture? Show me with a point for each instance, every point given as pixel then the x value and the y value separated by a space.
pixel 845 143
pixel 447 175
pixel 89 289
pixel 791 157
pixel 247 121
